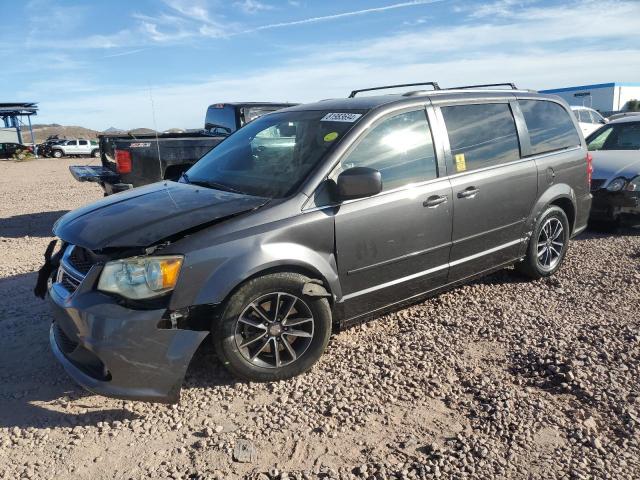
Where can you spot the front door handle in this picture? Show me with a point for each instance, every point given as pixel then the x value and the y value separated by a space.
pixel 468 192
pixel 434 201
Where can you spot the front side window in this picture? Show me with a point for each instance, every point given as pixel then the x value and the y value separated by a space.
pixel 621 136
pixel 271 156
pixel 550 126
pixel 481 135
pixel 400 148
pixel 72 143
pixel 583 116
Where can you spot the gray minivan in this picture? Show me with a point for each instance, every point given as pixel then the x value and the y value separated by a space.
pixel 309 219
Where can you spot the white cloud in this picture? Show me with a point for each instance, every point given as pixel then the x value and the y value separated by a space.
pixel 337 16
pixel 534 47
pixel 499 8
pixel 127 52
pixel 252 6
pixel 185 105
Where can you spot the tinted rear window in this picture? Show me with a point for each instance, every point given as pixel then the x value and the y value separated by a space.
pixel 550 126
pixel 220 119
pixel 481 135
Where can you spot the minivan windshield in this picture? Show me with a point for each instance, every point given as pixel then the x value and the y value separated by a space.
pixel 618 136
pixel 271 156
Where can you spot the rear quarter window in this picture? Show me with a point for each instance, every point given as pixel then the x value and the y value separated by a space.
pixel 550 126
pixel 481 135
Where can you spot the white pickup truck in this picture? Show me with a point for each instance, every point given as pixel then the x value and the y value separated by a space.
pixel 74 148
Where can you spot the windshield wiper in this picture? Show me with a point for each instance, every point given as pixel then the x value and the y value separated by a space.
pixel 222 186
pixel 211 184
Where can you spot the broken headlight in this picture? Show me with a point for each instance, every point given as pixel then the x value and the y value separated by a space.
pixel 617 184
pixel 634 184
pixel 140 277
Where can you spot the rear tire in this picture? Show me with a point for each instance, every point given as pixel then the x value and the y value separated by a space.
pixel 270 331
pixel 547 246
pixel 95 154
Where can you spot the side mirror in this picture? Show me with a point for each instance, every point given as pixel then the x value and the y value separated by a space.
pixel 359 182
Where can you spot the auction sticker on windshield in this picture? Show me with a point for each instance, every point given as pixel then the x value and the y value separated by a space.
pixel 341 117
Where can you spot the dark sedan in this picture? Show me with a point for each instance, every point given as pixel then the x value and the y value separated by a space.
pixel 9 149
pixel 616 171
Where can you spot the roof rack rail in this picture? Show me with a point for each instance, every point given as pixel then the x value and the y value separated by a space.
pixel 506 84
pixel 355 92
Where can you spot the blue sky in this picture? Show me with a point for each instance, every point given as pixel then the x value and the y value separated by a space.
pixel 98 64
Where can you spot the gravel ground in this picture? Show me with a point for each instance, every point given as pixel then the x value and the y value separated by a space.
pixel 503 378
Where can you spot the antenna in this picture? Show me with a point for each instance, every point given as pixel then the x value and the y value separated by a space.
pixel 155 128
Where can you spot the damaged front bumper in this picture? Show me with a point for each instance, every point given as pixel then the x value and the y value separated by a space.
pixel 116 351
pixel 613 206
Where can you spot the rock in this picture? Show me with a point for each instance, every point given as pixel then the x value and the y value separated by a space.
pixel 244 451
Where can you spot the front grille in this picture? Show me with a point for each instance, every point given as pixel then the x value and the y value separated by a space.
pixel 70 283
pixel 596 184
pixel 65 344
pixel 80 259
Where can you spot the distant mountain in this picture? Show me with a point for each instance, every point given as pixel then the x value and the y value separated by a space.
pixel 113 130
pixel 141 131
pixel 42 132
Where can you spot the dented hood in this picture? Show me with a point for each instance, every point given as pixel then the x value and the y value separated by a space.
pixel 146 215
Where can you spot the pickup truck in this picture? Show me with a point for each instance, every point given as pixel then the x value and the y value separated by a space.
pixel 129 161
pixel 80 147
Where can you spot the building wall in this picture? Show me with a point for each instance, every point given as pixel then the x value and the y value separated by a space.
pixel 605 97
pixel 9 135
pixel 625 94
pixel 600 97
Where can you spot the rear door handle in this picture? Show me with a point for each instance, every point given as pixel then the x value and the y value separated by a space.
pixel 434 201
pixel 468 192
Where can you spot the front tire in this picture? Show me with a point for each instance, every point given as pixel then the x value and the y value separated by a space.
pixel 270 331
pixel 57 154
pixel 547 246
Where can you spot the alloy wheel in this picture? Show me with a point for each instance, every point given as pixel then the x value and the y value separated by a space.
pixel 274 330
pixel 551 240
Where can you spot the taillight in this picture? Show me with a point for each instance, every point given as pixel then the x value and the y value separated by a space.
pixel 589 169
pixel 123 161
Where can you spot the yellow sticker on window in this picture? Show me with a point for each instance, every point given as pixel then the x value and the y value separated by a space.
pixel 330 137
pixel 461 164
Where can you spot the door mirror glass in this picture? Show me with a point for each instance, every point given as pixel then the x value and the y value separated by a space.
pixel 359 182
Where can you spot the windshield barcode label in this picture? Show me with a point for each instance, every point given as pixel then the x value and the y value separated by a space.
pixel 341 117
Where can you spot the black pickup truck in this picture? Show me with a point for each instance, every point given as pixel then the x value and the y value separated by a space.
pixel 129 160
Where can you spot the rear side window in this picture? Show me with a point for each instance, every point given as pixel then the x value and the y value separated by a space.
pixel 400 147
pixel 481 135
pixel 550 126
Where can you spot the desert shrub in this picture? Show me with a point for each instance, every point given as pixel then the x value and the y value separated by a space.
pixel 23 156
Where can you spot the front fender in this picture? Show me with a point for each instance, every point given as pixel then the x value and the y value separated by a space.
pixel 268 257
pixel 214 268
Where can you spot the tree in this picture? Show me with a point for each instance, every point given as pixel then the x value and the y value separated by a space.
pixel 633 105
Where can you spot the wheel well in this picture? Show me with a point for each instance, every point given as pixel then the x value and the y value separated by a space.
pixel 307 272
pixel 566 205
